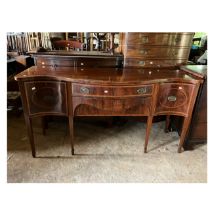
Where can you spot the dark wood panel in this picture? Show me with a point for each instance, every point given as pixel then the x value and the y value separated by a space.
pixel 143 62
pixel 199 131
pixel 46 97
pixel 42 61
pixel 138 106
pixel 157 52
pixel 64 61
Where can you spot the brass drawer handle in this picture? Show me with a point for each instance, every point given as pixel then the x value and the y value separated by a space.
pixel 142 90
pixel 144 39
pixel 177 40
pixel 174 53
pixel 84 90
pixel 141 63
pixel 171 98
pixel 143 52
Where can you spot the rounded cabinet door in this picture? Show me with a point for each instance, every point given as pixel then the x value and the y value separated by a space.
pixel 46 97
pixel 174 98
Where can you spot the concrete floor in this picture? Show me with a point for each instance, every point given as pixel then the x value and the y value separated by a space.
pixel 103 154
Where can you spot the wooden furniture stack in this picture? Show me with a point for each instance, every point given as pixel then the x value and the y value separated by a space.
pixel 96 84
pixel 156 49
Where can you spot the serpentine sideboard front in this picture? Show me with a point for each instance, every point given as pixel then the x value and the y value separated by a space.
pixel 91 91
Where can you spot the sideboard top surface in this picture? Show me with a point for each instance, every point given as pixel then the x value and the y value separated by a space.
pixel 107 75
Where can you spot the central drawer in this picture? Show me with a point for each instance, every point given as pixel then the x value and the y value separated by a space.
pixel 92 106
pixel 110 91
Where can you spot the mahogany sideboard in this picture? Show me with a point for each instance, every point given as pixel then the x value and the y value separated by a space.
pixel 76 91
pixel 145 79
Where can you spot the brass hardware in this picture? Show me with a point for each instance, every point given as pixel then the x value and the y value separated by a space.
pixel 84 90
pixel 143 52
pixel 171 98
pixel 174 53
pixel 177 39
pixel 142 90
pixel 145 39
pixel 106 91
pixel 141 63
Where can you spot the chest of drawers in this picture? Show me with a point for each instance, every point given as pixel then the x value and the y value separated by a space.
pixel 156 49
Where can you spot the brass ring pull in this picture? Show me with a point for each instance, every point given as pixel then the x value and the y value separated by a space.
pixel 84 90
pixel 171 98
pixel 143 52
pixel 141 63
pixel 145 39
pixel 141 90
pixel 177 40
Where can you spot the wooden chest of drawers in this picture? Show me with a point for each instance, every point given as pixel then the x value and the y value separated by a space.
pixel 156 49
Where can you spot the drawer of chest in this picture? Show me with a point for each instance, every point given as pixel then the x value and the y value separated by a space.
pixel 144 62
pixel 55 62
pixel 99 62
pixel 156 52
pixel 172 39
pixel 174 98
pixel 90 106
pixel 104 91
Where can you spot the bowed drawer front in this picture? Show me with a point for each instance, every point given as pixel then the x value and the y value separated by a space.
pixel 174 98
pixel 46 97
pixel 111 100
pixel 104 91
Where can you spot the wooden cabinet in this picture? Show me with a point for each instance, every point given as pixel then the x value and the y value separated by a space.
pixel 198 127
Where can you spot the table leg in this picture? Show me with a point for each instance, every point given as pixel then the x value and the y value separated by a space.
pixel 30 134
pixel 167 123
pixel 185 127
pixel 149 125
pixel 71 130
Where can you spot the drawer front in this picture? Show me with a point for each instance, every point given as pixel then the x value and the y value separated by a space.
pixel 110 91
pixel 46 97
pixel 143 62
pixel 80 62
pixel 174 98
pixel 90 106
pixel 55 62
pixel 99 62
pixel 156 52
pixel 171 39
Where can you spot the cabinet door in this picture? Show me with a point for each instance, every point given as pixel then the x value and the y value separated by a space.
pixel 174 98
pixel 46 97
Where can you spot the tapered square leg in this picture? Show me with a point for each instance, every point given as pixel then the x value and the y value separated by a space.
pixel 167 123
pixel 149 124
pixel 71 130
pixel 30 134
pixel 185 127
